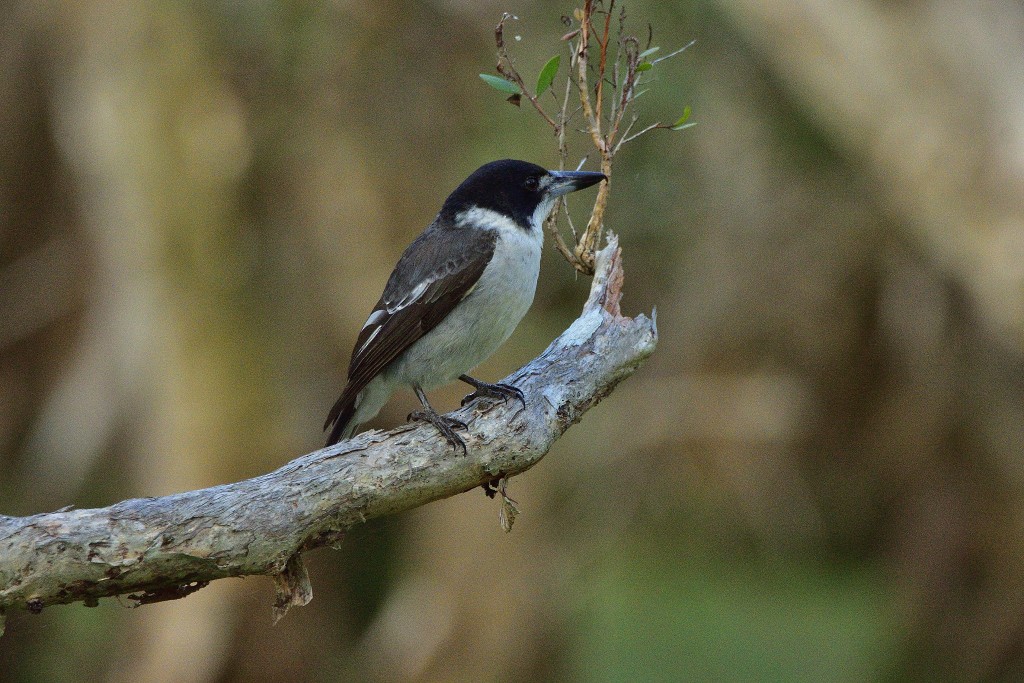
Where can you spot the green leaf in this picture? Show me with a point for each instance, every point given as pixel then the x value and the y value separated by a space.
pixel 682 122
pixel 644 66
pixel 499 83
pixel 648 52
pixel 547 74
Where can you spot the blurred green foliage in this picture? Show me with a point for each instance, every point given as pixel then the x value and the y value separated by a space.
pixel 711 618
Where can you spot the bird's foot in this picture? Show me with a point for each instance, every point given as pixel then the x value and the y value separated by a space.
pixel 444 424
pixel 498 392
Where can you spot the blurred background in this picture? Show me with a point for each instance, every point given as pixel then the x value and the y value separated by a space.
pixel 818 476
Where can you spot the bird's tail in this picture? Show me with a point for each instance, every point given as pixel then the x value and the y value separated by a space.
pixel 340 418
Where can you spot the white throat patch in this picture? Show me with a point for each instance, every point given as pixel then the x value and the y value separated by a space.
pixel 541 213
pixel 490 219
pixel 503 224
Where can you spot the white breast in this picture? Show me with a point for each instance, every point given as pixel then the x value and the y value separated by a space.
pixel 488 315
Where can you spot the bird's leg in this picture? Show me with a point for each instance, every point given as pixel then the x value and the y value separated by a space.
pixel 496 391
pixel 443 424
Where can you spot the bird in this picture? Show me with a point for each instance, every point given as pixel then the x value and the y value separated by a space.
pixel 456 294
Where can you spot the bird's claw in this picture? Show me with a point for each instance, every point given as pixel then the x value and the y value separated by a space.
pixel 444 424
pixel 502 392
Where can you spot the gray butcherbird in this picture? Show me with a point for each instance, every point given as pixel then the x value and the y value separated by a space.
pixel 456 295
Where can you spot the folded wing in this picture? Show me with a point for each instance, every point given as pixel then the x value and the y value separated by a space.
pixel 418 296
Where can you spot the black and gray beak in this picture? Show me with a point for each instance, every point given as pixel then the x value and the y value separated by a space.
pixel 564 182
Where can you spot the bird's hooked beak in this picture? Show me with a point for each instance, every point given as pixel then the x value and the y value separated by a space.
pixel 565 182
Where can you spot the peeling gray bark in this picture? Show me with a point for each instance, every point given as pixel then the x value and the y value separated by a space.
pixel 164 548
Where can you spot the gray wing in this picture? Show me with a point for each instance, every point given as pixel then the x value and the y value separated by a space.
pixel 434 274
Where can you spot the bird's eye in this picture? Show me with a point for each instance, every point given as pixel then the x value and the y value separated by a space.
pixel 532 183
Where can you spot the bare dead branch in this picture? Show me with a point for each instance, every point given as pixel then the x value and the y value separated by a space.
pixel 166 548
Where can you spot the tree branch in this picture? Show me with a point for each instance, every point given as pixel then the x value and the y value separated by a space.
pixel 165 548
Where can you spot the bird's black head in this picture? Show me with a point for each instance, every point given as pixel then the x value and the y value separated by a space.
pixel 518 190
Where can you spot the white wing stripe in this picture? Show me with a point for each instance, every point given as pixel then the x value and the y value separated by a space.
pixel 380 316
pixel 368 340
pixel 409 298
pixel 374 318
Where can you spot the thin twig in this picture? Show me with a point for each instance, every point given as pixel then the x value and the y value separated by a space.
pixel 673 54
pixel 625 133
pixel 507 69
pixel 568 217
pixel 648 129
pixel 593 123
pixel 551 224
pixel 603 64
